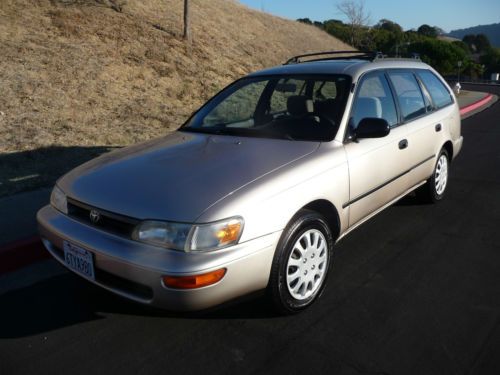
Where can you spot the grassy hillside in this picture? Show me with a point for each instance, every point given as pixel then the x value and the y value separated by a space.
pixel 101 72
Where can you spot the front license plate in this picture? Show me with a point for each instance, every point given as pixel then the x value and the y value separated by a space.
pixel 79 260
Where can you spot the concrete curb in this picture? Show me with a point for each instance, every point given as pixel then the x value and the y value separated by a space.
pixel 475 105
pixel 24 252
pixel 21 253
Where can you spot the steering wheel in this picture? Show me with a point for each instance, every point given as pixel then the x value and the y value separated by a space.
pixel 322 117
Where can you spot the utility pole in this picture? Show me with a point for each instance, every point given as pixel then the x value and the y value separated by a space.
pixel 187 25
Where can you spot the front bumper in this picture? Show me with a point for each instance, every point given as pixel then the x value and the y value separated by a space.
pixel 134 270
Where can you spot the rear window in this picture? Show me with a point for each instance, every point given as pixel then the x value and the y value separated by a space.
pixel 439 93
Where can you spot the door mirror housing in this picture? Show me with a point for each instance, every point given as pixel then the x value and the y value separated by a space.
pixel 372 127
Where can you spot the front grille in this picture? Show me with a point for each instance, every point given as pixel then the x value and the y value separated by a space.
pixel 110 222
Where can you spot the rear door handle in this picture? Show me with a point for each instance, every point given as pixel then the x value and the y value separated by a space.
pixel 438 127
pixel 403 144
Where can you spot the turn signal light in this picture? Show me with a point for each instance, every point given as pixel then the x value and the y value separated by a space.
pixel 194 281
pixel 229 233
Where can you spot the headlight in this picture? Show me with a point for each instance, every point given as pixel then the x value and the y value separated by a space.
pixel 189 237
pixel 160 233
pixel 58 200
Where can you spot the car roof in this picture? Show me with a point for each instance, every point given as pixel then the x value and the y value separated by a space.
pixel 352 67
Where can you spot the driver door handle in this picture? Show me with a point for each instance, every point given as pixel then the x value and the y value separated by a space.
pixel 403 144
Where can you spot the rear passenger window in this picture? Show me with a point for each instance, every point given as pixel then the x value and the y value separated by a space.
pixel 440 95
pixel 324 90
pixel 374 99
pixel 409 95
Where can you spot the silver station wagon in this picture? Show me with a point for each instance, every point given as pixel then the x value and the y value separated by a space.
pixel 255 189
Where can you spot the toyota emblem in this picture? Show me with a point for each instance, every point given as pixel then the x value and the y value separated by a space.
pixel 95 216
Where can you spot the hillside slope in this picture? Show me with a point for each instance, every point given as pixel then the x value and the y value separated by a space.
pixel 102 72
pixel 491 31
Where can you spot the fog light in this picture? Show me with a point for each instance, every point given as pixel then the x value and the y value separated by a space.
pixel 194 281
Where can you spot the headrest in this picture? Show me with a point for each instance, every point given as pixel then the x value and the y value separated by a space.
pixel 369 107
pixel 299 105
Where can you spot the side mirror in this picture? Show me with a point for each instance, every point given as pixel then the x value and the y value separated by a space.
pixel 372 128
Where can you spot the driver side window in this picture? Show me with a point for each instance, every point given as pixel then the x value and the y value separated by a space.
pixel 373 100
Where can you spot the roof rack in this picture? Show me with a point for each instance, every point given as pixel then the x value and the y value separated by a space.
pixel 355 55
pixel 359 55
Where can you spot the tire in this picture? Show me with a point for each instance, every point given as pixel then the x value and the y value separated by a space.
pixel 301 263
pixel 434 189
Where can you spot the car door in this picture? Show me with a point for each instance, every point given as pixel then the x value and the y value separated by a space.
pixel 419 117
pixel 377 166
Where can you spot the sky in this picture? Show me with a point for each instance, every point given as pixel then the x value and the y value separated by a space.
pixel 447 14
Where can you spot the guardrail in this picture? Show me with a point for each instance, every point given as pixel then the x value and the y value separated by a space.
pixel 452 80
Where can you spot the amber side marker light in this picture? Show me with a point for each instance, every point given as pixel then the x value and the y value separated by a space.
pixel 194 281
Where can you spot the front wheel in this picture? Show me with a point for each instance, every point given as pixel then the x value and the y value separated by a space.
pixel 301 263
pixel 434 189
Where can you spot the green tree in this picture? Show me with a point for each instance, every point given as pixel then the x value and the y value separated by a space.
pixel 442 55
pixel 482 43
pixel 387 36
pixel 427 30
pixel 388 25
pixel 491 60
pixel 305 20
pixel 412 36
pixel 462 45
pixel 338 29
pixel 477 43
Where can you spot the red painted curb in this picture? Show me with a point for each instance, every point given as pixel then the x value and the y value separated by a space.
pixel 475 105
pixel 21 253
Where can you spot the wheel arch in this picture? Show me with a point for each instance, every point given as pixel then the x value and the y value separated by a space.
pixel 448 146
pixel 329 211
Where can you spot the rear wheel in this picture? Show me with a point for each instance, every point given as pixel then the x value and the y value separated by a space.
pixel 435 188
pixel 301 263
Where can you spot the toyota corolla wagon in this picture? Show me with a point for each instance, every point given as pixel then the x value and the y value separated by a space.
pixel 255 189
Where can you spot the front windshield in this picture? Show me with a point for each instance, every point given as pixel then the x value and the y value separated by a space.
pixel 302 108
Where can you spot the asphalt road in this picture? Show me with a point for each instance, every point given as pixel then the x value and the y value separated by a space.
pixel 414 291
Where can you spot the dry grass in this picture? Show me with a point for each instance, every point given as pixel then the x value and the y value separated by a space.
pixel 80 73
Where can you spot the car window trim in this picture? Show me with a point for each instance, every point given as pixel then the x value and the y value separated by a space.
pixel 399 112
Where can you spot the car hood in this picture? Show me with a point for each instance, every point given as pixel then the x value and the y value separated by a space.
pixel 179 176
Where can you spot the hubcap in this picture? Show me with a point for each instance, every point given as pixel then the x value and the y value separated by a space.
pixel 441 174
pixel 306 265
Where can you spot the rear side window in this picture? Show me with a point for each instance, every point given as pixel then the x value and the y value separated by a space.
pixel 440 95
pixel 324 90
pixel 284 89
pixel 409 95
